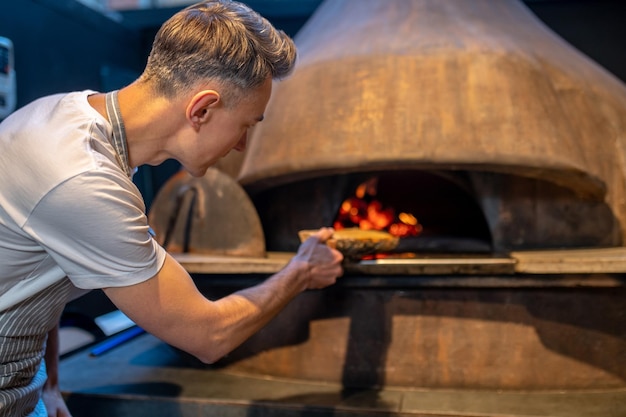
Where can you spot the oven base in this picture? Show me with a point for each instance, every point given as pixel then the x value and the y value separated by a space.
pixel 145 377
pixel 456 338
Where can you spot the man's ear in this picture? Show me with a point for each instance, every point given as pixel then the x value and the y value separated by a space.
pixel 199 108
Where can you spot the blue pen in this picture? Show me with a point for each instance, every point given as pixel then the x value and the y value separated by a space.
pixel 116 340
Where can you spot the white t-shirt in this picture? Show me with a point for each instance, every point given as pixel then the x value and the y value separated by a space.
pixel 66 206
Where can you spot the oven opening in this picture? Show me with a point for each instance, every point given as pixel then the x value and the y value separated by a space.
pixel 431 212
pixel 428 212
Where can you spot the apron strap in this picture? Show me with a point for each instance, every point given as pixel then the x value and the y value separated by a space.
pixel 119 133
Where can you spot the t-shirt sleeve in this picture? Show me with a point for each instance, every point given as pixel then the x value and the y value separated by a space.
pixel 95 227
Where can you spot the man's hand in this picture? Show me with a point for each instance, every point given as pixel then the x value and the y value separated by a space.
pixel 53 400
pixel 324 262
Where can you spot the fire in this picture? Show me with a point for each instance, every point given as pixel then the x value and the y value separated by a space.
pixel 367 213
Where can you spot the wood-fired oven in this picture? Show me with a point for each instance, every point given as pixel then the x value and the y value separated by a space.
pixel 505 143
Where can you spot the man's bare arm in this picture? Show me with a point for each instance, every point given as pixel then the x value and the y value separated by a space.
pixel 52 398
pixel 170 306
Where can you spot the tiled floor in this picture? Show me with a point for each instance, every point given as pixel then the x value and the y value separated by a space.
pixel 145 377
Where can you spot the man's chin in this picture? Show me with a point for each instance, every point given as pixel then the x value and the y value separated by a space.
pixel 197 173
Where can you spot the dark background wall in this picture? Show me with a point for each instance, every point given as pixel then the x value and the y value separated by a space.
pixel 595 27
pixel 62 45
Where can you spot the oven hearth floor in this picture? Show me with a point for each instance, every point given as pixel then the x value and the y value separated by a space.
pixel 145 377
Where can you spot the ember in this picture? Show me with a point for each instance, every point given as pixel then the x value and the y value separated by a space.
pixel 367 213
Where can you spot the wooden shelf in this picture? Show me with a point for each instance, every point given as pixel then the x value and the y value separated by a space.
pixel 580 261
pixel 601 268
pixel 570 261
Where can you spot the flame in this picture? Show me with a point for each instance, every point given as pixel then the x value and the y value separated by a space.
pixel 366 212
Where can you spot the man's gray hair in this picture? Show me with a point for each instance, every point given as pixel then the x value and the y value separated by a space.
pixel 222 40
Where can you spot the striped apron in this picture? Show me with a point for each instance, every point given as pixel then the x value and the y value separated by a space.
pixel 23 332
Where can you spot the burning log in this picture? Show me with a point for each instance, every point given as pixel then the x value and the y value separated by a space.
pixel 365 212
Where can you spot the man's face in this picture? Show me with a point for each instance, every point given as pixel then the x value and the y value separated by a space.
pixel 227 129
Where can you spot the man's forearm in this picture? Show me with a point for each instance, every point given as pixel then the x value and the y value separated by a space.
pixel 52 397
pixel 51 357
pixel 247 311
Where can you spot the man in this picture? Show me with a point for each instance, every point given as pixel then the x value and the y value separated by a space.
pixel 71 218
